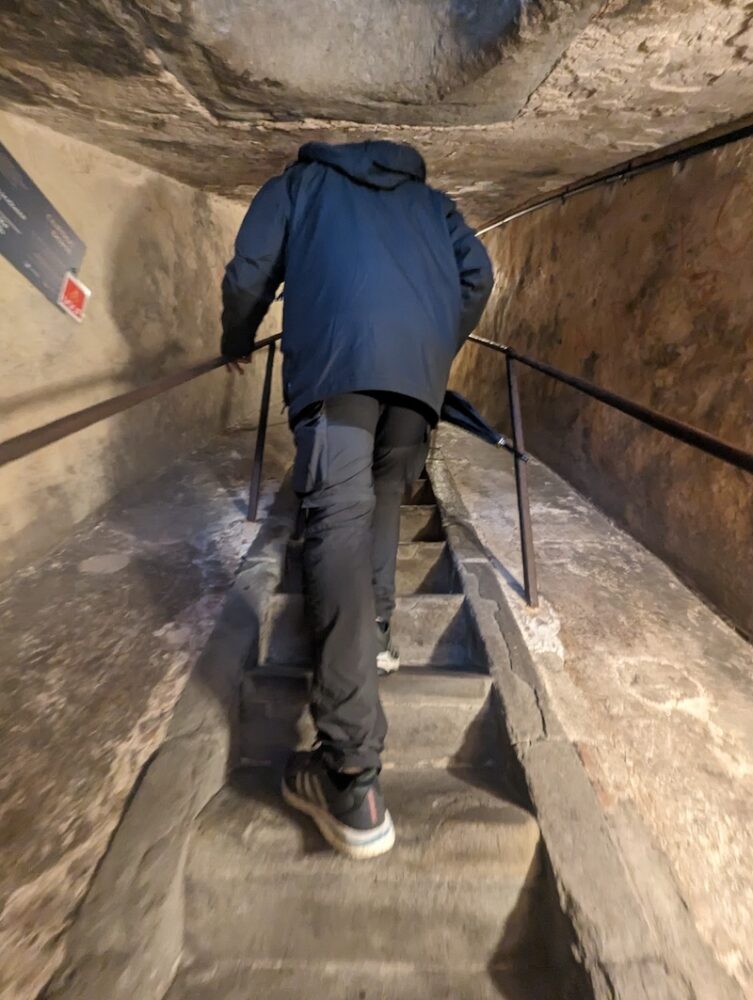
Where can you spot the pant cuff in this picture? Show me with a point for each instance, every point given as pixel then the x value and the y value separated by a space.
pixel 341 760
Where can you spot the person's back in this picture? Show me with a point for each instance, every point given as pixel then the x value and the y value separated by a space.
pixel 383 282
pixel 381 273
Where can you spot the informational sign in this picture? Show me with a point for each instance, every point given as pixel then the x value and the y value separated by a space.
pixel 73 296
pixel 36 239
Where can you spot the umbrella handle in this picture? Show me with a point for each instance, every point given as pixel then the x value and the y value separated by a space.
pixel 504 443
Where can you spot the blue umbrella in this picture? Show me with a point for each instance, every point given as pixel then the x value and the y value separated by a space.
pixel 457 410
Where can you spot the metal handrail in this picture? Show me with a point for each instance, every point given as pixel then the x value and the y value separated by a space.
pixel 693 436
pixel 622 172
pixel 686 433
pixel 31 441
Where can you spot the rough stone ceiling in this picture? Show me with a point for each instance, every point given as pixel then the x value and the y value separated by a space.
pixel 506 98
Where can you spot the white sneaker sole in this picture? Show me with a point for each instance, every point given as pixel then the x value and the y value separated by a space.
pixel 358 844
pixel 387 663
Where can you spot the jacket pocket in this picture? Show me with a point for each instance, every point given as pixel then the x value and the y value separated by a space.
pixel 310 465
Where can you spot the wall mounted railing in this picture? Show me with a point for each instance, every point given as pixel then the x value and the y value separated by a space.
pixel 696 438
pixel 624 172
pixel 31 441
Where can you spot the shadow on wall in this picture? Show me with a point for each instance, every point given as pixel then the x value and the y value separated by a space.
pixel 164 296
pixel 164 288
pixel 155 290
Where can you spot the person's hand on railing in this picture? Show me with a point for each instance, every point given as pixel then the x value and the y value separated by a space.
pixel 235 364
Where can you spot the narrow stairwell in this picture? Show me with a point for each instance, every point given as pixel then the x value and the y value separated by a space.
pixel 457 910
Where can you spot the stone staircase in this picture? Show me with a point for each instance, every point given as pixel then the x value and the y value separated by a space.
pixel 457 909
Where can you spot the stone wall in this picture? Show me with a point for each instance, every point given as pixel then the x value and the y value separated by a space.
pixel 154 260
pixel 643 288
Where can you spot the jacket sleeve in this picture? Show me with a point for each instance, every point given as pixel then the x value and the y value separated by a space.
pixel 254 274
pixel 474 270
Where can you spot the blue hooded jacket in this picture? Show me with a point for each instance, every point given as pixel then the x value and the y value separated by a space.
pixel 383 278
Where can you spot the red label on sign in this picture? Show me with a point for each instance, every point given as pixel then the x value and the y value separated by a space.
pixel 73 297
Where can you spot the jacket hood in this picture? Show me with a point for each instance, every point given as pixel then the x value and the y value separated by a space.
pixel 378 164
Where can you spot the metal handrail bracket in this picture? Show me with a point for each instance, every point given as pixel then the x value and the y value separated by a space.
pixel 261 436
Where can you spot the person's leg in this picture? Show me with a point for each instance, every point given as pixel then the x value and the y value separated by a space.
pixel 401 445
pixel 337 784
pixel 333 473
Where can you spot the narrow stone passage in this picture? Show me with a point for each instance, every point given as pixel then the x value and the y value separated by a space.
pixel 455 910
pixel 569 763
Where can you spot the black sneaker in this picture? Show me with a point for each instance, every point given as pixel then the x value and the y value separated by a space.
pixel 388 656
pixel 352 818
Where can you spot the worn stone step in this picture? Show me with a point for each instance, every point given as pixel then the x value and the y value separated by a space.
pixel 419 493
pixel 430 629
pixel 435 720
pixel 451 824
pixel 358 981
pixel 420 523
pixel 425 568
pixel 457 889
pixel 419 688
pixel 422 568
pixel 335 918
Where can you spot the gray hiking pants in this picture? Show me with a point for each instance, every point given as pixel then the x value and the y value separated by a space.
pixel 354 455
